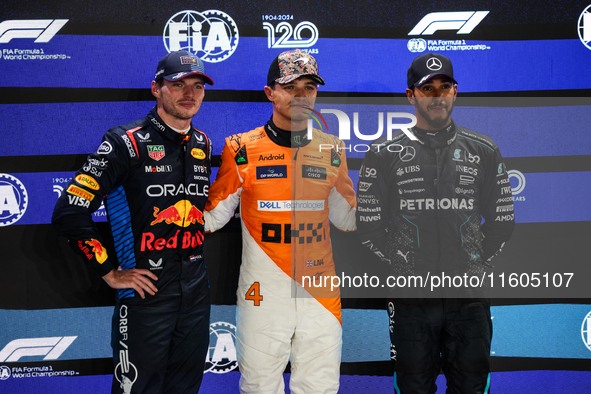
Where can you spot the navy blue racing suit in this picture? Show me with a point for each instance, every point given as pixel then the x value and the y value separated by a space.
pixel 442 204
pixel 154 182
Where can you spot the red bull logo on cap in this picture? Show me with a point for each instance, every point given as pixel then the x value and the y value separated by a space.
pixel 183 214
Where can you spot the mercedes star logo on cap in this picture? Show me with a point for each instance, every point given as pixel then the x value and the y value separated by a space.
pixel 434 64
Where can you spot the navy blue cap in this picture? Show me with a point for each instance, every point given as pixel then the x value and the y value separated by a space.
pixel 181 64
pixel 427 66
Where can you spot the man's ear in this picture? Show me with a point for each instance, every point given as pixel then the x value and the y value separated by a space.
pixel 410 95
pixel 269 93
pixel 155 88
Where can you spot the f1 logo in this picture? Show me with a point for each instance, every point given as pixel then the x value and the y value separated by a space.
pixel 464 22
pixel 42 30
pixel 51 348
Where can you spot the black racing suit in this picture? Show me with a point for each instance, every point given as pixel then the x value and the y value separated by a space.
pixel 439 205
pixel 155 183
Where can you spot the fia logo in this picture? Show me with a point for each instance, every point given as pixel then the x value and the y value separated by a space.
pixel 416 45
pixel 13 200
pixel 211 35
pixel 42 30
pixel 285 36
pixel 221 356
pixel 4 372
pixel 584 27
pixel 464 22
pixel 586 331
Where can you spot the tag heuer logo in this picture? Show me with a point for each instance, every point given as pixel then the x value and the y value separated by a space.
pixel 156 152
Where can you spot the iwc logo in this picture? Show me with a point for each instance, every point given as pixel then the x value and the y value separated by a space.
pixel 13 200
pixel 211 35
pixel 221 357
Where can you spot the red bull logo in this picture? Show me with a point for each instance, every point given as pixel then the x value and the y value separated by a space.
pixel 186 240
pixel 100 253
pixel 183 214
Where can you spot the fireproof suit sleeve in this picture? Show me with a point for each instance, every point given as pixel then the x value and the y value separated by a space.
pixel 372 203
pixel 497 203
pixel 72 215
pixel 341 200
pixel 224 194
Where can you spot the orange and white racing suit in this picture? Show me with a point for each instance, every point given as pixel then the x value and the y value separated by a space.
pixel 287 197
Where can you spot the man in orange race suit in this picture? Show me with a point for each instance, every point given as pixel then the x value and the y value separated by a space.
pixel 289 187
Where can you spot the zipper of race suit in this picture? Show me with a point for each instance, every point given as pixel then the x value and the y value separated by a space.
pixel 294 204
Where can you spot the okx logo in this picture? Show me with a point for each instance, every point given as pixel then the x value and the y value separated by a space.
pixel 211 35
pixel 13 200
pixel 51 348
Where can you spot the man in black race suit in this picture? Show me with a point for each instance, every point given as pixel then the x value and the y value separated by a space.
pixel 437 203
pixel 153 175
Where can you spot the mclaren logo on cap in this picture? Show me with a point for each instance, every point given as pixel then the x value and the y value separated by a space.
pixel 304 60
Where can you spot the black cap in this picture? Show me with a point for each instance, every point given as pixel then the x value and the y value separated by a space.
pixel 291 65
pixel 427 66
pixel 181 64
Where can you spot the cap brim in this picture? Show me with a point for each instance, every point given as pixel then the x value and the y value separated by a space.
pixel 429 77
pixel 290 78
pixel 183 75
